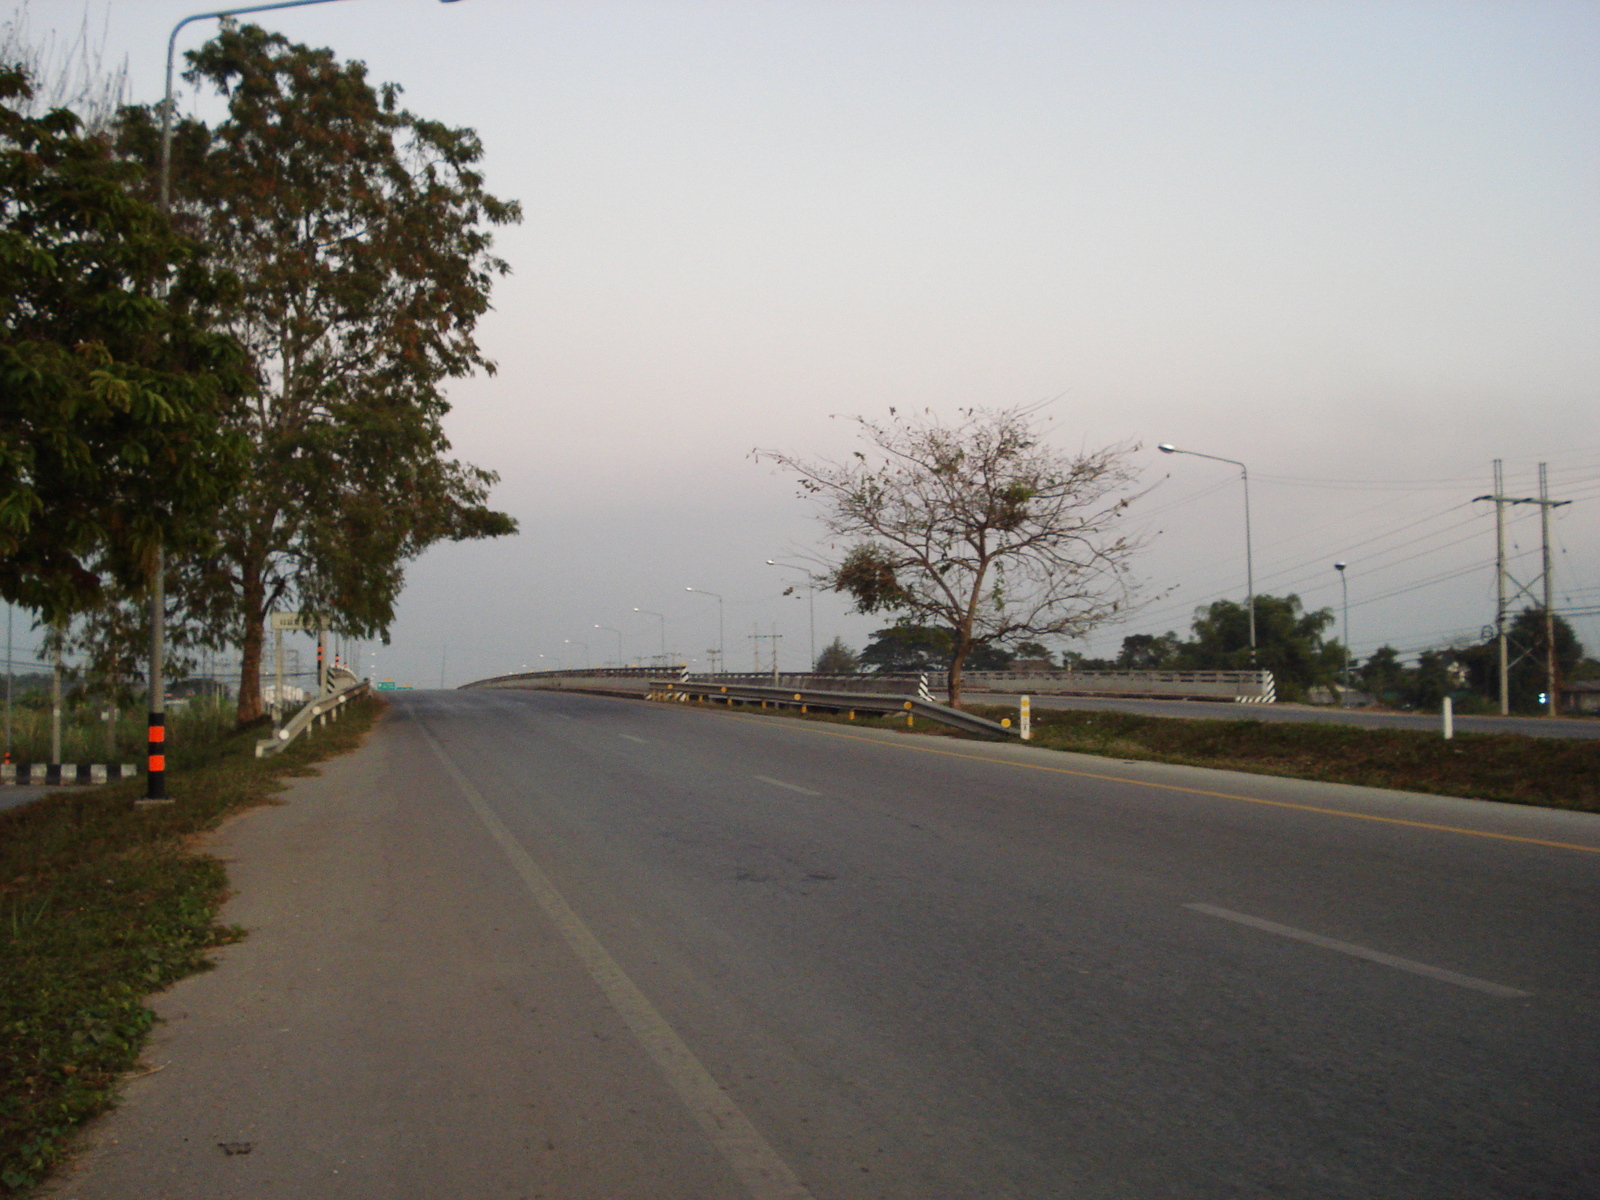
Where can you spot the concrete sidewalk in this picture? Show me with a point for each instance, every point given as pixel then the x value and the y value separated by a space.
pixel 399 1023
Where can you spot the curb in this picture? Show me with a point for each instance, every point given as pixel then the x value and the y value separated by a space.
pixel 33 774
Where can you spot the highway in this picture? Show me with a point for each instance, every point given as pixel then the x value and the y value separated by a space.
pixel 548 945
pixel 1554 727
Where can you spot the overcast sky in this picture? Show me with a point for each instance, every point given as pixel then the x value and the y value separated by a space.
pixel 1353 245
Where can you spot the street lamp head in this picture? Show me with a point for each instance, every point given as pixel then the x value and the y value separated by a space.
pixel 1167 448
pixel 1338 566
pixel 771 562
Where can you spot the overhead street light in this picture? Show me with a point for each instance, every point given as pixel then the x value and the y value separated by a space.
pixel 663 620
pixel 1249 565
pixel 722 646
pixel 156 765
pixel 811 600
pixel 618 632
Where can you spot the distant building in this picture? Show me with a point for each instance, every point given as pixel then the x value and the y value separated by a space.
pixel 291 694
pixel 1580 697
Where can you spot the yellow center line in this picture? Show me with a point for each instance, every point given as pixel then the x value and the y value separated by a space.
pixel 1194 791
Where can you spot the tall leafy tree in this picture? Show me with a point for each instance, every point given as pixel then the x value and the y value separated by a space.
pixel 977 526
pixel 117 399
pixel 362 235
pixel 1147 652
pixel 837 659
pixel 1289 642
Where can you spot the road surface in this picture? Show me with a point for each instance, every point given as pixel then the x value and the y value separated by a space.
pixel 549 945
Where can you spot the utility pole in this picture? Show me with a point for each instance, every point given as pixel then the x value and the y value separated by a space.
pixel 1500 584
pixel 55 698
pixel 756 638
pixel 11 671
pixel 1501 575
pixel 1549 598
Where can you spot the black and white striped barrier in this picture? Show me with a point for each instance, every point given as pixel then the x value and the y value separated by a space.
pixel 1267 695
pixel 34 774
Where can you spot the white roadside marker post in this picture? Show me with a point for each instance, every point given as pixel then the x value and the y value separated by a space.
pixel 1025 722
pixel 1447 711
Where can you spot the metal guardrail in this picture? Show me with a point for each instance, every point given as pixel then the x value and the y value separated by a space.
pixel 320 711
pixel 1238 687
pixel 681 691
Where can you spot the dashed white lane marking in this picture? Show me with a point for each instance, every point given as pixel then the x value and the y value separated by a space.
pixel 793 787
pixel 764 1174
pixel 631 738
pixel 1377 956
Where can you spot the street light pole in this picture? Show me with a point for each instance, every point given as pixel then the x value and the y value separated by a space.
pixel 1249 565
pixel 811 602
pixel 1344 586
pixel 722 645
pixel 585 645
pixel 663 621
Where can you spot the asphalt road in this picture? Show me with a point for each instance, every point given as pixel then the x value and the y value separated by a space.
pixel 1555 727
pixel 548 945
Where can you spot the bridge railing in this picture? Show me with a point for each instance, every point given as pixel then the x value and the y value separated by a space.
pixel 1237 687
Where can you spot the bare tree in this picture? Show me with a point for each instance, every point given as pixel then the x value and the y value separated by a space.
pixel 69 72
pixel 979 526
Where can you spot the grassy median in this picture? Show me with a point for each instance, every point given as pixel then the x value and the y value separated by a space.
pixel 1552 772
pixel 102 904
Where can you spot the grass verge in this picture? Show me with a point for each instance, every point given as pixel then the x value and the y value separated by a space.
pixel 102 904
pixel 1511 767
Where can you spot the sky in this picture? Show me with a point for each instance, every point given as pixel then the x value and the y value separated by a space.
pixel 1351 245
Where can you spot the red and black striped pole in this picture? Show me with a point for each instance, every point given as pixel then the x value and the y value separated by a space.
pixel 156 784
pixel 155 791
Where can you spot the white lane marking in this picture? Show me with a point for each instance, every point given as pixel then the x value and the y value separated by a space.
pixel 793 787
pixel 764 1174
pixel 631 738
pixel 1377 956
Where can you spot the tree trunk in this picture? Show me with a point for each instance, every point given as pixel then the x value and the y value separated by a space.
pixel 958 658
pixel 252 609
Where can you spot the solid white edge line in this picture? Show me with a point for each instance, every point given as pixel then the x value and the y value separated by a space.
pixel 1377 956
pixel 793 787
pixel 631 738
pixel 765 1175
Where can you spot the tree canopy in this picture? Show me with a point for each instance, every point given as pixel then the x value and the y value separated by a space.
pixel 837 659
pixel 1526 675
pixel 120 400
pixel 977 527
pixel 1289 643
pixel 362 235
